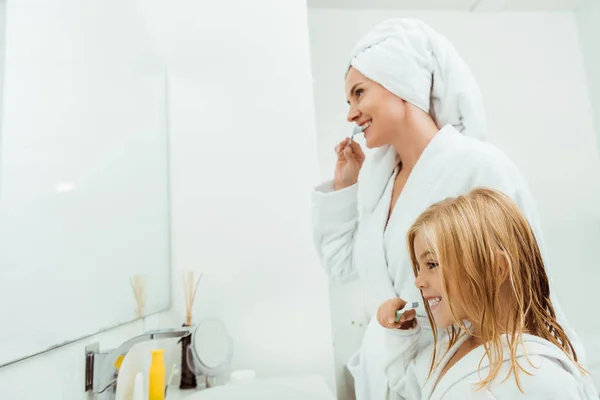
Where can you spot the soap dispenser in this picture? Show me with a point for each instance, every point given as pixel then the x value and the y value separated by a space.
pixel 157 376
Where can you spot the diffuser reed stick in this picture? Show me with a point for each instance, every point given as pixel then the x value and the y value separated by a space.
pixel 138 285
pixel 190 288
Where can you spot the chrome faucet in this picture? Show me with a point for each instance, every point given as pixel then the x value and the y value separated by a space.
pixel 100 369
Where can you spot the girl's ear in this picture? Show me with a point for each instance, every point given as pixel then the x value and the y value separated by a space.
pixel 504 266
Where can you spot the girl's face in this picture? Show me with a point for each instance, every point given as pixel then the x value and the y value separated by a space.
pixel 429 281
pixel 375 108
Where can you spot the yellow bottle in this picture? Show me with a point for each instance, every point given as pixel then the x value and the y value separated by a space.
pixel 157 376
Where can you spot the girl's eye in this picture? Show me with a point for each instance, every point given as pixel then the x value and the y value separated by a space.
pixel 432 264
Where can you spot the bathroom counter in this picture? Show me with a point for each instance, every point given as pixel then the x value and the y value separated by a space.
pixel 312 387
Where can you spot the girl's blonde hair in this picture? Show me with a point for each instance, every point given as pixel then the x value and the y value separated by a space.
pixel 482 241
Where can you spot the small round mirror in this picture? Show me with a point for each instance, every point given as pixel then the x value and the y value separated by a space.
pixel 212 347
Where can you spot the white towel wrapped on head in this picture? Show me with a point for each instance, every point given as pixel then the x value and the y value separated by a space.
pixel 422 67
pixel 419 65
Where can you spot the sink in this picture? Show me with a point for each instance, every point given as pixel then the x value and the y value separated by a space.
pixel 295 388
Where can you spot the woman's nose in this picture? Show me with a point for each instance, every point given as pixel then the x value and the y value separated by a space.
pixel 353 114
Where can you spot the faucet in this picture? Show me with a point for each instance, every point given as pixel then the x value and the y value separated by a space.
pixel 100 369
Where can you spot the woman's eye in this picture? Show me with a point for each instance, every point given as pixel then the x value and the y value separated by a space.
pixel 359 92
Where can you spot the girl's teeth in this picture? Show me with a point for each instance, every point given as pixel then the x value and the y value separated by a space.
pixel 434 301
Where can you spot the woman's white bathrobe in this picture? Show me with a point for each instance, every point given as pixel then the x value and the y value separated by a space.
pixel 554 375
pixel 352 241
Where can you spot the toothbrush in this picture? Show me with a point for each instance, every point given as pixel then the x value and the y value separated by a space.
pixel 168 382
pixel 357 129
pixel 407 307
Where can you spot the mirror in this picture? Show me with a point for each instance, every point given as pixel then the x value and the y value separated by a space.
pixel 84 200
pixel 212 348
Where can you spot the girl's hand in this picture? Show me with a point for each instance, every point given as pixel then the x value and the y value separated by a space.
pixel 386 315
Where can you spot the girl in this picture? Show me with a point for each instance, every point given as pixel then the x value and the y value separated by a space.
pixel 482 279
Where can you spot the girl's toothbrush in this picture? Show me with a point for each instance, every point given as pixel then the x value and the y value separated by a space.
pixel 407 307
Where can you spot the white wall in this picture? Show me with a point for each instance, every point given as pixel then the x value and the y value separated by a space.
pixel 242 139
pixel 530 71
pixel 588 16
pixel 243 162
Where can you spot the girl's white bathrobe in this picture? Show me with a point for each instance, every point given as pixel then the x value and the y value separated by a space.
pixel 352 240
pixel 553 374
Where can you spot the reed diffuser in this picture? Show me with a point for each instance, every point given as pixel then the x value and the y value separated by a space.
pixel 138 285
pixel 190 288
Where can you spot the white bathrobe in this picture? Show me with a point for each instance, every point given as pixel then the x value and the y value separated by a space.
pixel 553 374
pixel 352 241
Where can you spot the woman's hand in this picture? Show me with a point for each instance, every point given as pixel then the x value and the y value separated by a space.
pixel 350 159
pixel 386 315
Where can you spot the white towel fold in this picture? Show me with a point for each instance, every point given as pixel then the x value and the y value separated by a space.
pixel 419 65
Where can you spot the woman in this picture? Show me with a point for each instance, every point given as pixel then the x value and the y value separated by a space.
pixel 482 278
pixel 420 107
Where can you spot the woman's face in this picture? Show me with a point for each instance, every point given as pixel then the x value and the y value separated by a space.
pixel 375 108
pixel 429 281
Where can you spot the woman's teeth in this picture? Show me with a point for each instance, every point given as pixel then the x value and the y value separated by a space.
pixel 366 125
pixel 434 301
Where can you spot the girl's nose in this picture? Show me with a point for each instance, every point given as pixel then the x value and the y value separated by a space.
pixel 420 281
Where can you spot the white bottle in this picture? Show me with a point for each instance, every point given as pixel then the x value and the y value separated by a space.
pixel 138 388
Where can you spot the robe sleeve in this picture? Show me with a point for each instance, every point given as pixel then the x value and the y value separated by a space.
pixel 401 370
pixel 334 223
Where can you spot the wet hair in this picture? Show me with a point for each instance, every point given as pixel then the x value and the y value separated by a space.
pixel 483 245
